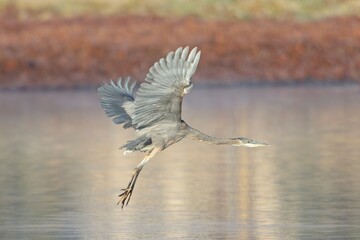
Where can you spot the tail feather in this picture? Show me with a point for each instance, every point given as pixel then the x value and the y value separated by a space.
pixel 138 144
pixel 113 96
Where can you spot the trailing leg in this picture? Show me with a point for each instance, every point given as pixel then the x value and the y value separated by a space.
pixel 126 195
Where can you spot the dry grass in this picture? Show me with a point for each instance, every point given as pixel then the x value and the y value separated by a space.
pixel 81 52
pixel 85 42
pixel 208 9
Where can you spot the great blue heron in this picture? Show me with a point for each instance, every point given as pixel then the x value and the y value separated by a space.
pixel 153 109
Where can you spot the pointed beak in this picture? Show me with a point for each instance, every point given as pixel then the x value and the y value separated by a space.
pixel 257 144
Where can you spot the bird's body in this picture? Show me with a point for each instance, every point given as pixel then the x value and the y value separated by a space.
pixel 153 109
pixel 161 135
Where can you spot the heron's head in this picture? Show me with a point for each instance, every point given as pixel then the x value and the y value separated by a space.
pixel 247 142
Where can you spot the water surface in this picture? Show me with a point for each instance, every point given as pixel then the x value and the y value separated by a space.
pixel 61 169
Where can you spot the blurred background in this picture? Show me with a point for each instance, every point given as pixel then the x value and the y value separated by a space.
pixel 68 43
pixel 285 72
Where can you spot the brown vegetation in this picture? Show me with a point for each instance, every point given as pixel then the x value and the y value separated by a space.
pixel 86 51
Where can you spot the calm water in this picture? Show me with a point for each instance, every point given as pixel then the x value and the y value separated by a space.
pixel 61 170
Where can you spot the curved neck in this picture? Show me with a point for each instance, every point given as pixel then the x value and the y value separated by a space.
pixel 202 137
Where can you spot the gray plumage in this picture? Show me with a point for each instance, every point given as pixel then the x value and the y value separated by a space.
pixel 113 97
pixel 160 96
pixel 138 144
pixel 153 109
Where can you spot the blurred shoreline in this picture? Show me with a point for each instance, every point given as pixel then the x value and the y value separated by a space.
pixel 83 52
pixel 205 84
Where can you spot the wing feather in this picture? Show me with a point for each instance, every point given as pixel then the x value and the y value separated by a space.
pixel 160 96
pixel 117 100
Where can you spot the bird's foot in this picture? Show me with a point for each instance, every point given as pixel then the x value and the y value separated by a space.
pixel 127 192
pixel 125 197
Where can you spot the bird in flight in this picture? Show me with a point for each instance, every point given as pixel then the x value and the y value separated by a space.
pixel 153 110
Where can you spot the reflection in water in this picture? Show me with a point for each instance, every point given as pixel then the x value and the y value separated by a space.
pixel 61 169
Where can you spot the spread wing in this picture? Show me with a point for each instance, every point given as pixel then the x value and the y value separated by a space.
pixel 160 95
pixel 116 97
